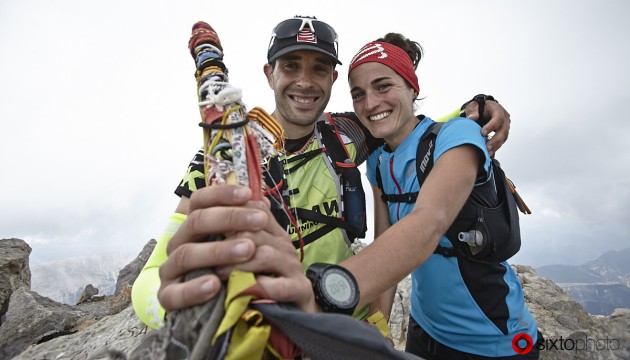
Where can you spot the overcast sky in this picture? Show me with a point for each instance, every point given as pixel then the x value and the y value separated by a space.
pixel 98 113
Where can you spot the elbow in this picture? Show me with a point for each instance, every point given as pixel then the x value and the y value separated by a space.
pixel 144 298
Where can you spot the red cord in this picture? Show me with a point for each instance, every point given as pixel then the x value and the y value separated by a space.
pixel 253 167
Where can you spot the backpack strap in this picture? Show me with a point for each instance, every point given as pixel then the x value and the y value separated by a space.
pixel 408 198
pixel 379 180
pixel 425 151
pixel 424 164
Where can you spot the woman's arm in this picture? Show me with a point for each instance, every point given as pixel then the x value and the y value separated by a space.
pixel 411 241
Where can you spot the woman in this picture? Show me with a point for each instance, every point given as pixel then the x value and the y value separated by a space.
pixel 454 315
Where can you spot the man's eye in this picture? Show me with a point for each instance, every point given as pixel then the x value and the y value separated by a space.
pixel 290 65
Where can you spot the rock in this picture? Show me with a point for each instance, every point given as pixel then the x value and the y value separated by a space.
pixel 87 293
pixel 122 332
pixel 37 321
pixel 399 318
pixel 31 319
pixel 121 300
pixel 14 270
pixel 130 272
pixel 555 311
pixel 106 327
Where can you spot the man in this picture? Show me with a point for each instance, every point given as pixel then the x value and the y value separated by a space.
pixel 323 219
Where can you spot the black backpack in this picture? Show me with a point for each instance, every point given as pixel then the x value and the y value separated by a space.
pixel 487 227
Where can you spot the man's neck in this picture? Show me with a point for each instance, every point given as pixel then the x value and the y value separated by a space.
pixel 293 131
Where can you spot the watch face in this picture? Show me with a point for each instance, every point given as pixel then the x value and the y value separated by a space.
pixel 339 287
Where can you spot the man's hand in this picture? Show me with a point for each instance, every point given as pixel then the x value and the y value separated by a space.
pixel 499 123
pixel 254 242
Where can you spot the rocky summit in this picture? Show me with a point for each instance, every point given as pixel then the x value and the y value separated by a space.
pixel 104 327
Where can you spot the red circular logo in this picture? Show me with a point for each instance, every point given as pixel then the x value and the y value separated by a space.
pixel 517 343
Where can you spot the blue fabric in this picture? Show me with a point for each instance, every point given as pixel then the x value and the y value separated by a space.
pixel 440 300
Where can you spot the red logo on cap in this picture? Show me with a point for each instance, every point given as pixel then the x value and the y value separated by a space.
pixel 305 35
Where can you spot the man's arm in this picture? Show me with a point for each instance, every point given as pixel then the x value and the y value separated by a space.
pixel 496 120
pixel 145 288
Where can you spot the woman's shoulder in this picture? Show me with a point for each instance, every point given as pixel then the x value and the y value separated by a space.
pixel 461 128
pixel 461 122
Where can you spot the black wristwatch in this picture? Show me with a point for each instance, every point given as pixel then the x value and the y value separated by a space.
pixel 336 290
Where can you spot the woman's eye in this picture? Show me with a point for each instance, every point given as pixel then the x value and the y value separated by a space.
pixel 356 96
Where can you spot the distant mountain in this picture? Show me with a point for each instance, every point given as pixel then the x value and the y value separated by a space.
pixel 600 299
pixel 568 274
pixel 600 285
pixel 612 265
pixel 64 280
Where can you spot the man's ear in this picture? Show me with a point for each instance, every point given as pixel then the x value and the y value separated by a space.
pixel 268 69
pixel 335 74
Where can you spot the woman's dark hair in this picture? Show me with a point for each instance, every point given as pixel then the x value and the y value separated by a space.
pixel 412 48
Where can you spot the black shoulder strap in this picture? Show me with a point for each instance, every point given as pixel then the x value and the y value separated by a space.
pixel 379 180
pixel 424 154
pixel 424 164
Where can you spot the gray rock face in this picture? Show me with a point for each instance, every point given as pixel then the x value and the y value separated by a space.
pixel 14 270
pixel 120 332
pixel 32 318
pixel 569 331
pixel 129 273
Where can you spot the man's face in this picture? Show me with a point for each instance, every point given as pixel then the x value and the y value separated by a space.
pixel 302 82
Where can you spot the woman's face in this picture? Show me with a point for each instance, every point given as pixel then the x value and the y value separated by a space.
pixel 383 101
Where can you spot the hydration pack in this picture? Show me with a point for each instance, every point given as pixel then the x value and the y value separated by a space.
pixel 487 228
pixel 344 172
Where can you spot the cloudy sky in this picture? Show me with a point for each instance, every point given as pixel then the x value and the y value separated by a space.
pixel 98 113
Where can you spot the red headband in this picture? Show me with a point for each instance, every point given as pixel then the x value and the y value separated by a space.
pixel 388 55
